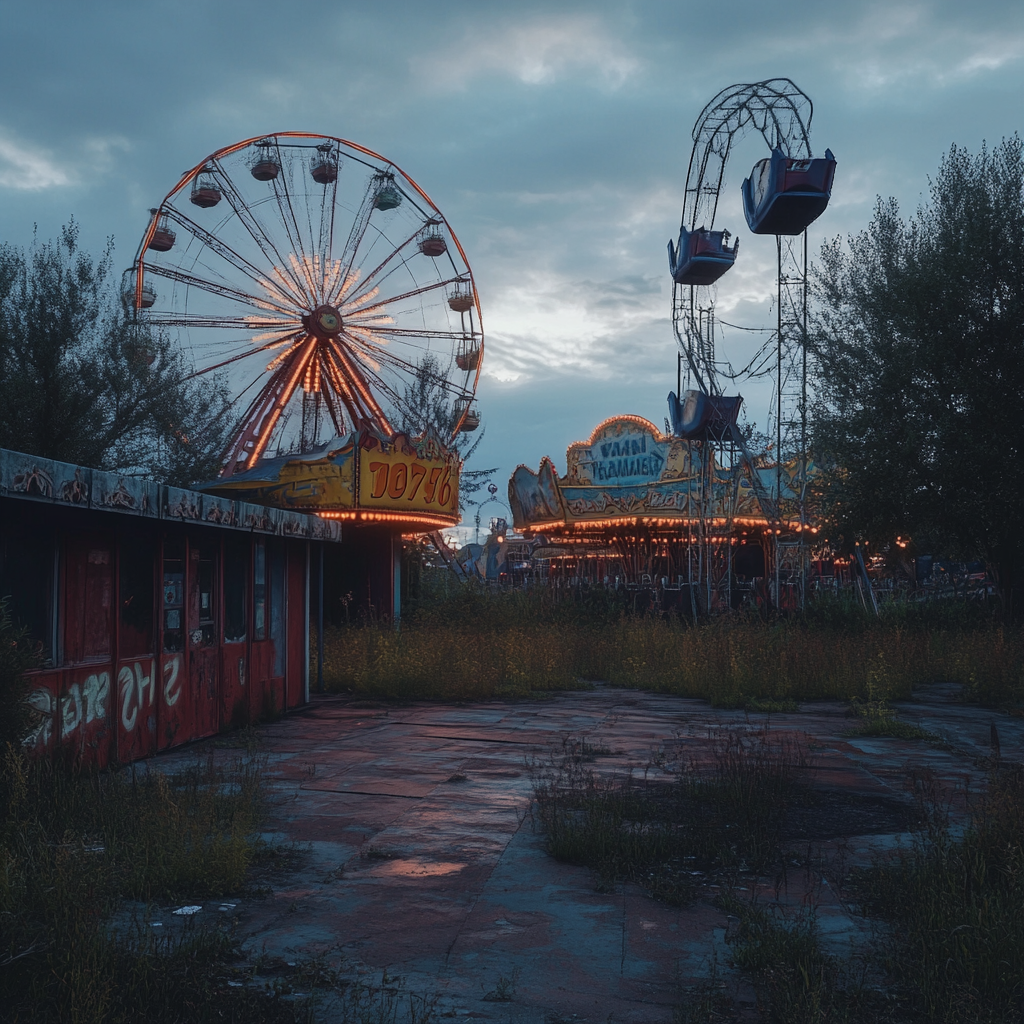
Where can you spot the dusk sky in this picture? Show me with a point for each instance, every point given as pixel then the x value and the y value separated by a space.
pixel 554 137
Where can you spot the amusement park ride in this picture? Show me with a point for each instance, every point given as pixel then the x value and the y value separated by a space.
pixel 690 505
pixel 321 286
pixel 320 283
pixel 784 193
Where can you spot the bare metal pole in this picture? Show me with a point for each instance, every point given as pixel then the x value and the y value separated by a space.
pixel 778 423
pixel 320 627
pixel 803 439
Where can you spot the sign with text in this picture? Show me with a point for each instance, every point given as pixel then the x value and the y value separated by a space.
pixel 400 480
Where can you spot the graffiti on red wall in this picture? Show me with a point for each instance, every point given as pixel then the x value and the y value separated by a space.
pixel 90 701
pixel 82 704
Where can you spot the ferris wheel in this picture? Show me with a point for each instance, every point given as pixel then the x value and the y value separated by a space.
pixel 320 283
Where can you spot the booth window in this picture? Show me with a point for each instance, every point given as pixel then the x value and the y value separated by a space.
pixel 135 572
pixel 27 562
pixel 202 618
pixel 236 580
pixel 259 590
pixel 173 612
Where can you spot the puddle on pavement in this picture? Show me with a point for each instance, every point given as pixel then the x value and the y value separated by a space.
pixel 412 867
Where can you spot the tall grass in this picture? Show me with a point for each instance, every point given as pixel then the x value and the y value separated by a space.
pixel 955 949
pixel 723 813
pixel 476 645
pixel 75 845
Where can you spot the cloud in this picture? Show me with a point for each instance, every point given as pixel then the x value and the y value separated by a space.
pixel 547 323
pixel 894 47
pixel 538 51
pixel 28 168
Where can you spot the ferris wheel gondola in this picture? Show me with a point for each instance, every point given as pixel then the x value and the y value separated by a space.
pixel 320 283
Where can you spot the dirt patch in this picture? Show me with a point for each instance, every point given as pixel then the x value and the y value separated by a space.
pixel 822 814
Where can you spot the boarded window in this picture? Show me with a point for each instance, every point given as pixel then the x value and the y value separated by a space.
pixel 135 579
pixel 88 599
pixel 236 584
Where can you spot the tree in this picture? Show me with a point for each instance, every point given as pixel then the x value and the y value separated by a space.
pixel 428 406
pixel 919 343
pixel 81 380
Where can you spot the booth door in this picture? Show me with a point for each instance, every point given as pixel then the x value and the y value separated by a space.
pixel 234 699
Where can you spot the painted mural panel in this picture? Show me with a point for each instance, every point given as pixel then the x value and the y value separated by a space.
pixel 61 483
pixel 534 497
pixel 126 494
pixel 324 479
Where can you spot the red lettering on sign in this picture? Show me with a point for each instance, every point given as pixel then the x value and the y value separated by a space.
pixel 380 479
pixel 432 483
pixel 418 473
pixel 399 478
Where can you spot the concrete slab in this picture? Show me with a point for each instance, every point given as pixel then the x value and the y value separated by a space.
pixel 422 856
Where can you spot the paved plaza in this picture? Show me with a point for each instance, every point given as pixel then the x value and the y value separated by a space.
pixel 416 850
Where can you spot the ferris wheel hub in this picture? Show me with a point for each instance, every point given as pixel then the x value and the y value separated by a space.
pixel 324 322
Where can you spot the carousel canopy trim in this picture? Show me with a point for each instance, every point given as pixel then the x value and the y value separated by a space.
pixel 629 471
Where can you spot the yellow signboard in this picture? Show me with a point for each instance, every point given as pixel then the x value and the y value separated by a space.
pixel 399 480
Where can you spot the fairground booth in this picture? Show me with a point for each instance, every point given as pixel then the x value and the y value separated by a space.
pixel 161 615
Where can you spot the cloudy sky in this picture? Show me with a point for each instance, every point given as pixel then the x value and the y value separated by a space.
pixel 554 136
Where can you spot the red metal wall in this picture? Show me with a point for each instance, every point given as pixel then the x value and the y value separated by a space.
pixel 120 690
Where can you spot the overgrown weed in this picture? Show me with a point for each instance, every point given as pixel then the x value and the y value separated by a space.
pixel 476 645
pixel 75 845
pixel 955 945
pixel 796 981
pixel 722 814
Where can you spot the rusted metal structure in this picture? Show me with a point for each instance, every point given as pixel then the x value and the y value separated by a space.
pixel 162 615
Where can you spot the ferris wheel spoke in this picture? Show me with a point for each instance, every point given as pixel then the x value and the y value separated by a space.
pixel 246 355
pixel 239 262
pixel 258 424
pixel 332 407
pixel 290 222
pixel 424 332
pixel 234 323
pixel 385 389
pixel 358 230
pixel 213 287
pixel 326 247
pixel 387 259
pixel 340 388
pixel 360 389
pixel 384 355
pixel 247 218
pixel 422 290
